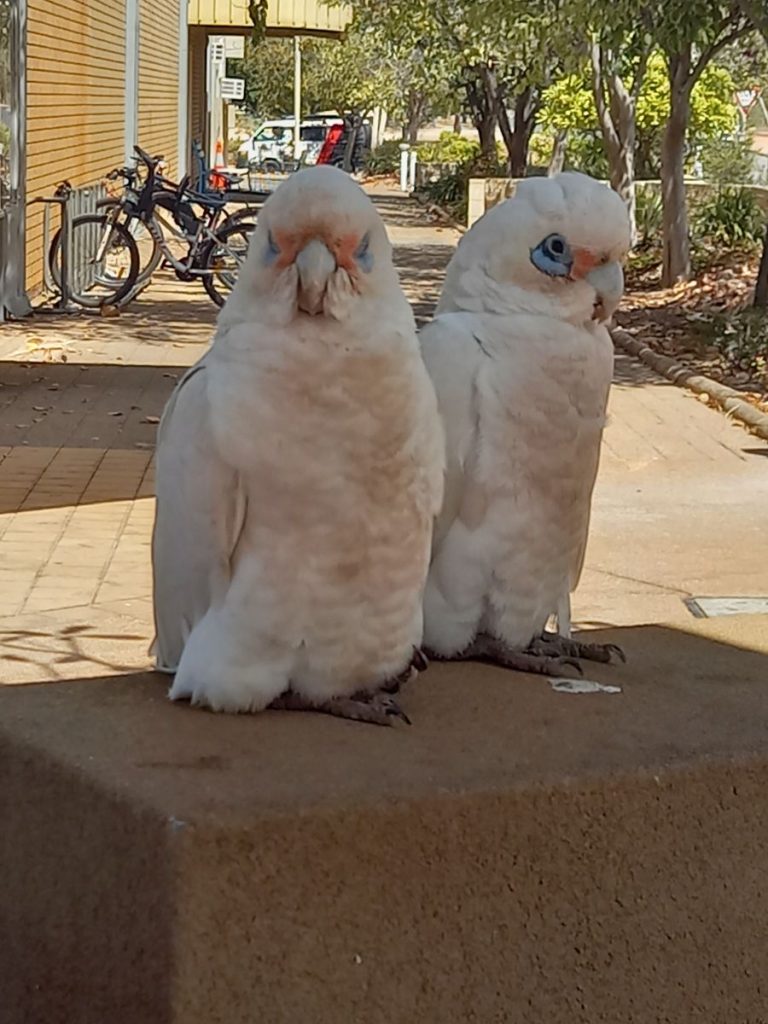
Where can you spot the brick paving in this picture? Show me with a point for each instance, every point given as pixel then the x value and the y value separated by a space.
pixel 679 507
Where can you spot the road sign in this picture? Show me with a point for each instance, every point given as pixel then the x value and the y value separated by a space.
pixel 232 88
pixel 746 99
pixel 216 48
pixel 234 46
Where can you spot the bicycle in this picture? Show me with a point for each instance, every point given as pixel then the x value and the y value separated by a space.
pixel 161 213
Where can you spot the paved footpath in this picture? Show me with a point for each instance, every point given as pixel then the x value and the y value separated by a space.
pixel 680 506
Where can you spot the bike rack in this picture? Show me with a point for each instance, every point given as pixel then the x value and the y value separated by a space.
pixel 65 198
pixel 61 199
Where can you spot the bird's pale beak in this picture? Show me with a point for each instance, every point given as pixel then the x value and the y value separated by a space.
pixel 608 281
pixel 315 265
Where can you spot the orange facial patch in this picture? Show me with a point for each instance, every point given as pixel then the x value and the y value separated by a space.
pixel 342 247
pixel 584 260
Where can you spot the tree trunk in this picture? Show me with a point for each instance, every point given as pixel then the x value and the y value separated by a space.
pixel 486 130
pixel 457 124
pixel 676 261
pixel 482 110
pixel 495 103
pixel 527 106
pixel 617 117
pixel 414 117
pixel 761 288
pixel 559 148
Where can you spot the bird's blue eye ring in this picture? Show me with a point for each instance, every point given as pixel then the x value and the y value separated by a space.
pixel 273 249
pixel 552 256
pixel 363 253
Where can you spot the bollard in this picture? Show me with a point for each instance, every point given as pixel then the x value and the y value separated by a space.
pixel 412 170
pixel 404 166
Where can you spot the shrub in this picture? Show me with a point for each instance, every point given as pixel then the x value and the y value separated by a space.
pixel 585 152
pixel 385 159
pixel 731 217
pixel 742 338
pixel 727 161
pixel 450 148
pixel 648 214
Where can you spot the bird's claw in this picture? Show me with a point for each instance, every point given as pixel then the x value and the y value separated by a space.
pixel 395 711
pixel 618 651
pixel 378 709
pixel 419 661
pixel 554 645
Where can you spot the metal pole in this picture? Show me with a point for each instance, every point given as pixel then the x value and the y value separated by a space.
pixel 131 102
pixel 14 271
pixel 215 72
pixel 182 155
pixel 296 97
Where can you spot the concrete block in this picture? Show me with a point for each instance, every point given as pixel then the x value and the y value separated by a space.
pixel 517 855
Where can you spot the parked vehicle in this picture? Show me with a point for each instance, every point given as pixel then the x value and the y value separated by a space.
pixel 270 148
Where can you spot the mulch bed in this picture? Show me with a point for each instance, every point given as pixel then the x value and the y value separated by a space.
pixel 678 322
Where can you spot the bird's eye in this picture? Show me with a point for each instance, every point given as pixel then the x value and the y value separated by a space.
pixel 552 256
pixel 555 246
pixel 363 254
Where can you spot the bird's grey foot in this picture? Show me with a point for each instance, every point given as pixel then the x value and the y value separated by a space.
pixel 377 708
pixel 554 645
pixel 489 648
pixel 419 663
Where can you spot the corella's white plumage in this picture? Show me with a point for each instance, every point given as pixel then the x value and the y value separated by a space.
pixel 522 365
pixel 300 467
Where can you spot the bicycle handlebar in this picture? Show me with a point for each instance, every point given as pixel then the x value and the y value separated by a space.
pixel 150 161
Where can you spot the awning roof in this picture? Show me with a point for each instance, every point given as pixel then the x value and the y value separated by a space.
pixel 284 17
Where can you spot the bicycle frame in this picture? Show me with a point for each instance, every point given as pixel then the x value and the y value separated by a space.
pixel 204 232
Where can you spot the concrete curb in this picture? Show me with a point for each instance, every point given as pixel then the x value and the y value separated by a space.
pixel 728 399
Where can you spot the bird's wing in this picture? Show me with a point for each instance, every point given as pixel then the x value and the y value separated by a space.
pixel 589 476
pixel 452 354
pixel 201 507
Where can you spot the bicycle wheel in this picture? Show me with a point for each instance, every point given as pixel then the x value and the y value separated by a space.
pixel 223 256
pixel 249 213
pixel 149 251
pixel 105 261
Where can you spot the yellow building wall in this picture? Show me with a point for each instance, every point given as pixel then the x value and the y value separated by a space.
pixel 75 101
pixel 159 80
pixel 282 15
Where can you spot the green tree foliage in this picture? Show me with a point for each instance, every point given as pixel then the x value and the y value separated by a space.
pixel 568 105
pixel 343 76
pixel 491 56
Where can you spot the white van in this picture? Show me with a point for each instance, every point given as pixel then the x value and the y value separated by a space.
pixel 271 146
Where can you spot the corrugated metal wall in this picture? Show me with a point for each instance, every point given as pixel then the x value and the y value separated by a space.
pixel 75 101
pixel 76 96
pixel 159 80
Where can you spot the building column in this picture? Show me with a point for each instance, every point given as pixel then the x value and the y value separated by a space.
pixel 183 122
pixel 131 77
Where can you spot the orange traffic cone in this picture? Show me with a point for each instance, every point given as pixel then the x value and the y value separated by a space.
pixel 217 180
